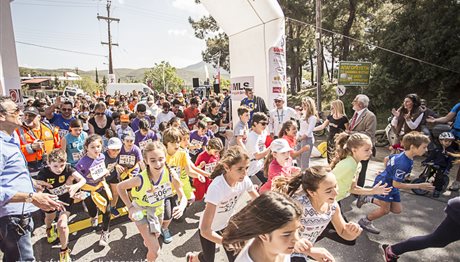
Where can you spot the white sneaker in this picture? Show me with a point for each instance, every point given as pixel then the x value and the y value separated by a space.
pixel 95 221
pixel 455 186
pixel 104 241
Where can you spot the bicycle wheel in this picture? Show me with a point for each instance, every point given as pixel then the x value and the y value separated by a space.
pixel 417 191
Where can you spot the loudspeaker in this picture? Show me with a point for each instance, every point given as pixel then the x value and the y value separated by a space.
pixel 196 82
pixel 216 89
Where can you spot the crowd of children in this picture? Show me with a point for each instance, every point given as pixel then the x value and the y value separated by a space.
pixel 159 160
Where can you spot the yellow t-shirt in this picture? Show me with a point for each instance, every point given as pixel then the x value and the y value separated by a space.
pixel 345 171
pixel 178 162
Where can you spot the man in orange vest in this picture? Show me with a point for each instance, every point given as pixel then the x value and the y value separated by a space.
pixel 36 139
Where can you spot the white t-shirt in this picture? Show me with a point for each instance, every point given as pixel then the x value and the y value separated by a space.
pixel 280 116
pixel 243 256
pixel 241 129
pixel 162 117
pixel 255 144
pixel 225 198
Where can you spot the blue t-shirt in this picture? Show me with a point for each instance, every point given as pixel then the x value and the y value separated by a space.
pixel 398 167
pixel 456 126
pixel 251 103
pixel 59 121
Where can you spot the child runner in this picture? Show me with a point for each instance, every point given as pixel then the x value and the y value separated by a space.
pixel 442 159
pixel 289 133
pixel 198 140
pixel 130 157
pixel 60 175
pixel 149 190
pixel 241 130
pixel 337 122
pixel 255 147
pixel 124 125
pixel 207 160
pixel 72 143
pixel 316 189
pixel 397 168
pixel 178 160
pixel 278 163
pixel 112 156
pixel 272 240
pixel 92 168
pixel 350 151
pixel 230 181
pixel 144 135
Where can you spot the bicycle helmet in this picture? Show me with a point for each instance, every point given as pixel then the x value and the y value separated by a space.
pixel 446 136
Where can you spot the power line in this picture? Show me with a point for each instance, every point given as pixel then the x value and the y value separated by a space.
pixel 60 49
pixel 378 47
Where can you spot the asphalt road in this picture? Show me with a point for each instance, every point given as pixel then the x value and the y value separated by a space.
pixel 420 216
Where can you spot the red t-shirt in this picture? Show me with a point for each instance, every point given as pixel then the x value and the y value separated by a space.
pixel 190 116
pixel 211 162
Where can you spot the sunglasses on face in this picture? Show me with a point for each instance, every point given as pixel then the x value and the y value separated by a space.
pixel 99 114
pixel 278 101
pixel 66 109
pixel 263 123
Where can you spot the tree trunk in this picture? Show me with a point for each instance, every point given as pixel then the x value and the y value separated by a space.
pixel 300 76
pixel 312 78
pixel 332 56
pixel 325 64
pixel 347 28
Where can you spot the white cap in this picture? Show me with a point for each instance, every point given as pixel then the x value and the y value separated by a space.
pixel 280 145
pixel 114 143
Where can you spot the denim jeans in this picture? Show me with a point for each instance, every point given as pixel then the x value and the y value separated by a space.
pixel 15 238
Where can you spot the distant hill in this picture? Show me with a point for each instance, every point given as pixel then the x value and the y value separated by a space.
pixel 127 75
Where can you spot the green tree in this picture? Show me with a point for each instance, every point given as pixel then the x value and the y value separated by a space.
pixel 164 77
pixel 88 84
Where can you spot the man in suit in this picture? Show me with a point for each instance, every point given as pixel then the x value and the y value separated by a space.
pixel 365 122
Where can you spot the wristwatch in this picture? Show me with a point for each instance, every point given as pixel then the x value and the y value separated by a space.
pixel 29 198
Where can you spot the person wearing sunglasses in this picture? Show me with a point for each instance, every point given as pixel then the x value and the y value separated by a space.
pixel 100 122
pixel 279 115
pixel 255 146
pixel 63 119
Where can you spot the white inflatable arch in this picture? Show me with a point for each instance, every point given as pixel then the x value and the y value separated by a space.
pixel 256 31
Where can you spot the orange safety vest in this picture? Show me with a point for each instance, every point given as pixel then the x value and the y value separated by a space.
pixel 49 135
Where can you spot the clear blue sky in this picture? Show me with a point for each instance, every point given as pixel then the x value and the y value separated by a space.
pixel 149 31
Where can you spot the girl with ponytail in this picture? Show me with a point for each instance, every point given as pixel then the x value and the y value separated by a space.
pixel 316 190
pixel 229 182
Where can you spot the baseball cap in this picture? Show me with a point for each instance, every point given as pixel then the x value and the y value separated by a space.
pixel 31 110
pixel 280 145
pixel 249 88
pixel 114 143
pixel 124 118
pixel 207 120
pixel 279 98
pixel 112 102
pixel 127 134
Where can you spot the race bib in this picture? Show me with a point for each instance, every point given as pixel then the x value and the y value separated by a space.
pixel 222 129
pixel 191 121
pixel 127 160
pixel 210 167
pixel 195 142
pixel 111 167
pixel 59 191
pixel 63 132
pixel 77 156
pixel 144 143
pixel 159 193
pixel 97 171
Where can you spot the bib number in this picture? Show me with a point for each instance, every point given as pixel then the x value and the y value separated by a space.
pixel 59 191
pixel 210 167
pixel 127 160
pixel 159 193
pixel 97 171
pixel 76 156
pixel 63 132
pixel 144 143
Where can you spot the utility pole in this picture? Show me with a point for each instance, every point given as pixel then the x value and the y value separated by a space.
pixel 319 55
pixel 109 43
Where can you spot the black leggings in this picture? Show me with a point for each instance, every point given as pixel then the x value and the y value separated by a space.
pixel 92 210
pixel 447 232
pixel 208 252
pixel 331 233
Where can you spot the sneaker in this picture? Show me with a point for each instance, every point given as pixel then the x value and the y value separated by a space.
pixel 95 221
pixel 436 193
pixel 51 234
pixel 455 186
pixel 167 238
pixel 104 241
pixel 368 226
pixel 362 200
pixel 64 256
pixel 114 212
pixel 389 257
